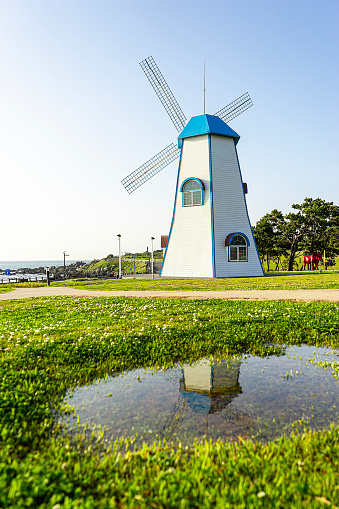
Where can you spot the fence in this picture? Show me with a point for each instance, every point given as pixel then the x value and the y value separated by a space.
pixel 23 279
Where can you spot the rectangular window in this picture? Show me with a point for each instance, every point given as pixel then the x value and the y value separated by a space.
pixel 187 199
pixel 233 254
pixel 242 253
pixel 197 197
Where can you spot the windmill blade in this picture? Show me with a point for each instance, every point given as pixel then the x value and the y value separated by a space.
pixel 150 168
pixel 164 93
pixel 175 419
pixel 234 109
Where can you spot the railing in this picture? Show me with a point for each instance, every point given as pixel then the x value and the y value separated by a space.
pixel 23 279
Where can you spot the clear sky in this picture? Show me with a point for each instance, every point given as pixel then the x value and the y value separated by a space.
pixel 78 114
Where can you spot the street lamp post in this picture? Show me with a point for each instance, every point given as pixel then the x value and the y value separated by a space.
pixel 47 276
pixel 65 264
pixel 119 237
pixel 152 268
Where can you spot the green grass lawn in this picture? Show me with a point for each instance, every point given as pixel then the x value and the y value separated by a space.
pixel 8 287
pixel 53 344
pixel 289 282
pixel 5 289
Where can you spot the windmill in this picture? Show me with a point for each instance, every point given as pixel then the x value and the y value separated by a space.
pixel 210 234
pixel 208 387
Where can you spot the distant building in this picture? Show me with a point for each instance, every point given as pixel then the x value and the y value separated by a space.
pixel 112 259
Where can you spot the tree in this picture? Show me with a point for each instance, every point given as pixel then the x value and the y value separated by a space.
pixel 309 228
pixel 332 247
pixel 312 227
pixel 322 221
pixel 293 230
pixel 268 237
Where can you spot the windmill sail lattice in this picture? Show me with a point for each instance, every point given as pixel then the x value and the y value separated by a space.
pixel 150 168
pixel 164 93
pixel 170 153
pixel 234 109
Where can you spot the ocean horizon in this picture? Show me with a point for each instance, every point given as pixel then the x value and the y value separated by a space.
pixel 33 264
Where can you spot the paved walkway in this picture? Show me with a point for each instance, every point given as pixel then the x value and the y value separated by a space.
pixel 295 295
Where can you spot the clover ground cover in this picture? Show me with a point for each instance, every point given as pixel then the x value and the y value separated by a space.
pixel 51 345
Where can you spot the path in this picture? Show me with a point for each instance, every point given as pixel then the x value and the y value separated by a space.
pixel 331 295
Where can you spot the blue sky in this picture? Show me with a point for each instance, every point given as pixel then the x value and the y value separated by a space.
pixel 78 114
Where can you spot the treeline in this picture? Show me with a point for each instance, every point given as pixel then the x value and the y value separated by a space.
pixel 312 227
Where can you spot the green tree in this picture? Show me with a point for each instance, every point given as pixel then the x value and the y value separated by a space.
pixel 312 226
pixel 293 231
pixel 322 221
pixel 269 239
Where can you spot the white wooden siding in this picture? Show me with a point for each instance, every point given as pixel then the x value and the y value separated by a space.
pixel 189 249
pixel 230 214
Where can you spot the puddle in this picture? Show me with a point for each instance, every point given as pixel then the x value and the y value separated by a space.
pixel 225 398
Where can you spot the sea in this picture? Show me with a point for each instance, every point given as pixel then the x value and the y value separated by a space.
pixel 13 266
pixel 33 264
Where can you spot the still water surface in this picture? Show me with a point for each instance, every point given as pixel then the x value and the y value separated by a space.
pixel 224 398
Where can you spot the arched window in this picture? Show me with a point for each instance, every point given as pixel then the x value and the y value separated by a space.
pixel 192 192
pixel 237 247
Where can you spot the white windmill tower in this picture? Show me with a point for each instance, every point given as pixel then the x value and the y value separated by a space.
pixel 210 234
pixel 208 387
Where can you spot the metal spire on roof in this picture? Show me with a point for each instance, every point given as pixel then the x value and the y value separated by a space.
pixel 204 91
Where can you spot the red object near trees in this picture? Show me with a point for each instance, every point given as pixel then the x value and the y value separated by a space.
pixel 312 260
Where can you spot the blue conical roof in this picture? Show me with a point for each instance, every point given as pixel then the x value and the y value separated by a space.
pixel 207 124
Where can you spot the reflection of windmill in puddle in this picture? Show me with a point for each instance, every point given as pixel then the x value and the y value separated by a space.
pixel 208 387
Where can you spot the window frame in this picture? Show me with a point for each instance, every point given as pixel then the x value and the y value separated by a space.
pixel 201 190
pixel 237 248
